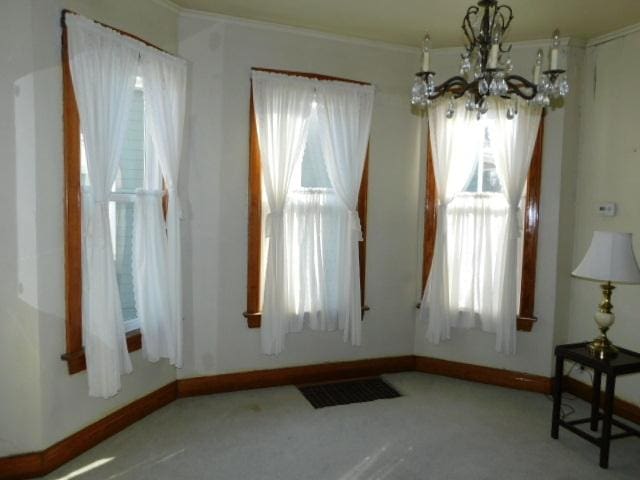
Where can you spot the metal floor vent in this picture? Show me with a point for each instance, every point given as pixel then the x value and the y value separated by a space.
pixel 352 391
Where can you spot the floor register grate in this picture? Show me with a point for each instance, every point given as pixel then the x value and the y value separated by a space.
pixel 345 392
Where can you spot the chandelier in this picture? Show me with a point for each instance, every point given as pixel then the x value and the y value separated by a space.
pixel 485 67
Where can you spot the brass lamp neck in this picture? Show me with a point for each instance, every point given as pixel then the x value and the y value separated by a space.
pixel 605 305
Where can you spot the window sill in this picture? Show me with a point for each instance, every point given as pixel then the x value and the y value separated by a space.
pixel 254 318
pixel 523 323
pixel 76 361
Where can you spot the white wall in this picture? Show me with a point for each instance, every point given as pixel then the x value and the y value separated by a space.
pixel 40 403
pixel 222 52
pixel 534 349
pixel 609 170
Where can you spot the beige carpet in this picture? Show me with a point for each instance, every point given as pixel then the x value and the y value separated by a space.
pixel 440 428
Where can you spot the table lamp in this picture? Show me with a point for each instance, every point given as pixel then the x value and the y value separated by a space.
pixel 610 259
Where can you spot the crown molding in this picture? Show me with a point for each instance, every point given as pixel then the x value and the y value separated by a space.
pixel 279 27
pixel 541 43
pixel 608 37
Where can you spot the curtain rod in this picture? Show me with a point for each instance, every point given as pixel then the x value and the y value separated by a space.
pixel 63 15
pixel 317 76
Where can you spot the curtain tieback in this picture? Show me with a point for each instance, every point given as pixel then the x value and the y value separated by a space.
pixel 518 226
pixel 354 224
pixel 172 193
pixel 89 196
pixel 273 222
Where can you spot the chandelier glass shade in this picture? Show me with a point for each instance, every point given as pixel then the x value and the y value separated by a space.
pixel 486 68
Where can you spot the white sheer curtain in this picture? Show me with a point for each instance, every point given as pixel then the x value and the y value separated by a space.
pixel 103 70
pixel 282 106
pixel 344 112
pixel 314 222
pixel 454 145
pixel 165 80
pixel 150 275
pixel 475 241
pixel 513 144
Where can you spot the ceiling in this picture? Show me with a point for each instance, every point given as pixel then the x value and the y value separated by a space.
pixel 405 21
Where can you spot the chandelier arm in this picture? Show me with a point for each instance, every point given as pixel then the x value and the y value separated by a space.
pixel 467 26
pixel 492 25
pixel 522 80
pixel 449 85
pixel 506 50
pixel 485 38
pixel 518 86
pixel 505 23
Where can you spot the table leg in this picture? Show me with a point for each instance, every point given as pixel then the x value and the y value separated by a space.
pixel 557 396
pixel 595 399
pixel 605 440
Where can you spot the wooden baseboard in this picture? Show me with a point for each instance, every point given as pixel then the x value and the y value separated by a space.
pixel 293 375
pixel 37 464
pixel 477 373
pixel 622 408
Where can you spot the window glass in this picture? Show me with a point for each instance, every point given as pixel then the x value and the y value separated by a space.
pixel 484 178
pixel 313 171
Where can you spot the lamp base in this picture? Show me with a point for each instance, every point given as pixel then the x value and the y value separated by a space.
pixel 602 347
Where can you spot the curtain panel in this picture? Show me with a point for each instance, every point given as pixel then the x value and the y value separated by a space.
pixel 282 107
pixel 513 147
pixel 165 84
pixel 103 70
pixel 345 113
pixel 312 273
pixel 454 143
pixel 104 65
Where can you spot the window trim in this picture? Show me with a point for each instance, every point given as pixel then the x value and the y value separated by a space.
pixel 74 354
pixel 526 317
pixel 253 313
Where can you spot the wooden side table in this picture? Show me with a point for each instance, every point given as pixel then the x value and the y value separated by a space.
pixel 624 363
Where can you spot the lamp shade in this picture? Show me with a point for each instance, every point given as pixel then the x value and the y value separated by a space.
pixel 610 258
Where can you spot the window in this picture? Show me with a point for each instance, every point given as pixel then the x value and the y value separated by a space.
pixel 131 175
pixel 483 187
pixel 310 185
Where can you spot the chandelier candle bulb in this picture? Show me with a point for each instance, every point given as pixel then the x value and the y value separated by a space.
pixel 426 47
pixel 493 56
pixel 554 50
pixel 495 49
pixel 537 70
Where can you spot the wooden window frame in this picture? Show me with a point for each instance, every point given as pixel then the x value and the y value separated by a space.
pixel 74 354
pixel 526 317
pixel 253 313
